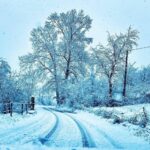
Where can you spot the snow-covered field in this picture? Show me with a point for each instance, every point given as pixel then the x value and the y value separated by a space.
pixel 49 129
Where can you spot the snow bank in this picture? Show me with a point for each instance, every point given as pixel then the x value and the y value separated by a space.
pixel 110 136
pixel 6 121
pixel 25 129
pixel 129 116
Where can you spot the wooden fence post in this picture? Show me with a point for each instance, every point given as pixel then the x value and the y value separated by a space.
pixel 32 103
pixel 11 109
pixel 26 105
pixel 22 109
pixel 4 108
pixel 29 105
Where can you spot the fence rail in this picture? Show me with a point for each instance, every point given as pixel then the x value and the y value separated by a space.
pixel 11 107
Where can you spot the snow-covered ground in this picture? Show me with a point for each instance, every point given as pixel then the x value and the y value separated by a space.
pixel 19 130
pixel 130 117
pixel 49 129
pixel 111 136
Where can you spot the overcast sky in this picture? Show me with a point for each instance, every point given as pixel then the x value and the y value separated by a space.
pixel 19 17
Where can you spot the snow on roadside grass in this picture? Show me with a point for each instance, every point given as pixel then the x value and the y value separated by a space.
pixel 128 116
pixel 17 119
pixel 115 134
pixel 6 121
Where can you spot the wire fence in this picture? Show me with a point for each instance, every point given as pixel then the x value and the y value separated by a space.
pixel 16 107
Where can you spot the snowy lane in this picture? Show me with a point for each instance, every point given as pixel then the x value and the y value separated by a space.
pixel 86 138
pixel 27 132
pixel 49 129
pixel 66 134
pixel 52 131
pixel 101 138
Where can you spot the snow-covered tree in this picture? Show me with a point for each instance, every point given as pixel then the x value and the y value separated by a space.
pixel 138 82
pixel 44 60
pixel 5 83
pixel 130 41
pixel 72 27
pixel 109 58
pixel 25 84
pixel 59 50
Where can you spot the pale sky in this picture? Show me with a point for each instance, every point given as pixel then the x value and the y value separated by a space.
pixel 19 17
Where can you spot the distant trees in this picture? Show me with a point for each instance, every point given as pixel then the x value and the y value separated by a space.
pixel 5 83
pixel 25 84
pixel 62 67
pixel 8 87
pixel 138 82
pixel 109 59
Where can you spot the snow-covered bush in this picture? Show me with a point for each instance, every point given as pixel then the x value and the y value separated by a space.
pixel 138 84
pixel 139 118
pixel 86 92
pixel 117 119
pixel 104 113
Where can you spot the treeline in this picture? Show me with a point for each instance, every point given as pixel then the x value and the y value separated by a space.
pixel 14 86
pixel 64 67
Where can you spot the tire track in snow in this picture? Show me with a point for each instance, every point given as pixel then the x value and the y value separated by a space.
pixel 67 133
pixel 52 131
pixel 86 138
pixel 115 144
pixel 110 139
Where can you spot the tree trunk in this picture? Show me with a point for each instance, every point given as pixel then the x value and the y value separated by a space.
pixel 125 75
pixel 56 85
pixel 57 96
pixel 56 81
pixel 68 66
pixel 110 88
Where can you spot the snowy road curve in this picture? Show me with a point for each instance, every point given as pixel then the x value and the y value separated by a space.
pixel 53 129
pixel 84 137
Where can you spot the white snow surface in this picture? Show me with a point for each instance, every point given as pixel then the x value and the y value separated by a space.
pixel 110 136
pixel 24 132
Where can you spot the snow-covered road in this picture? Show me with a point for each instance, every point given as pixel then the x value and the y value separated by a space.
pixel 51 129
pixel 68 132
pixel 28 129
